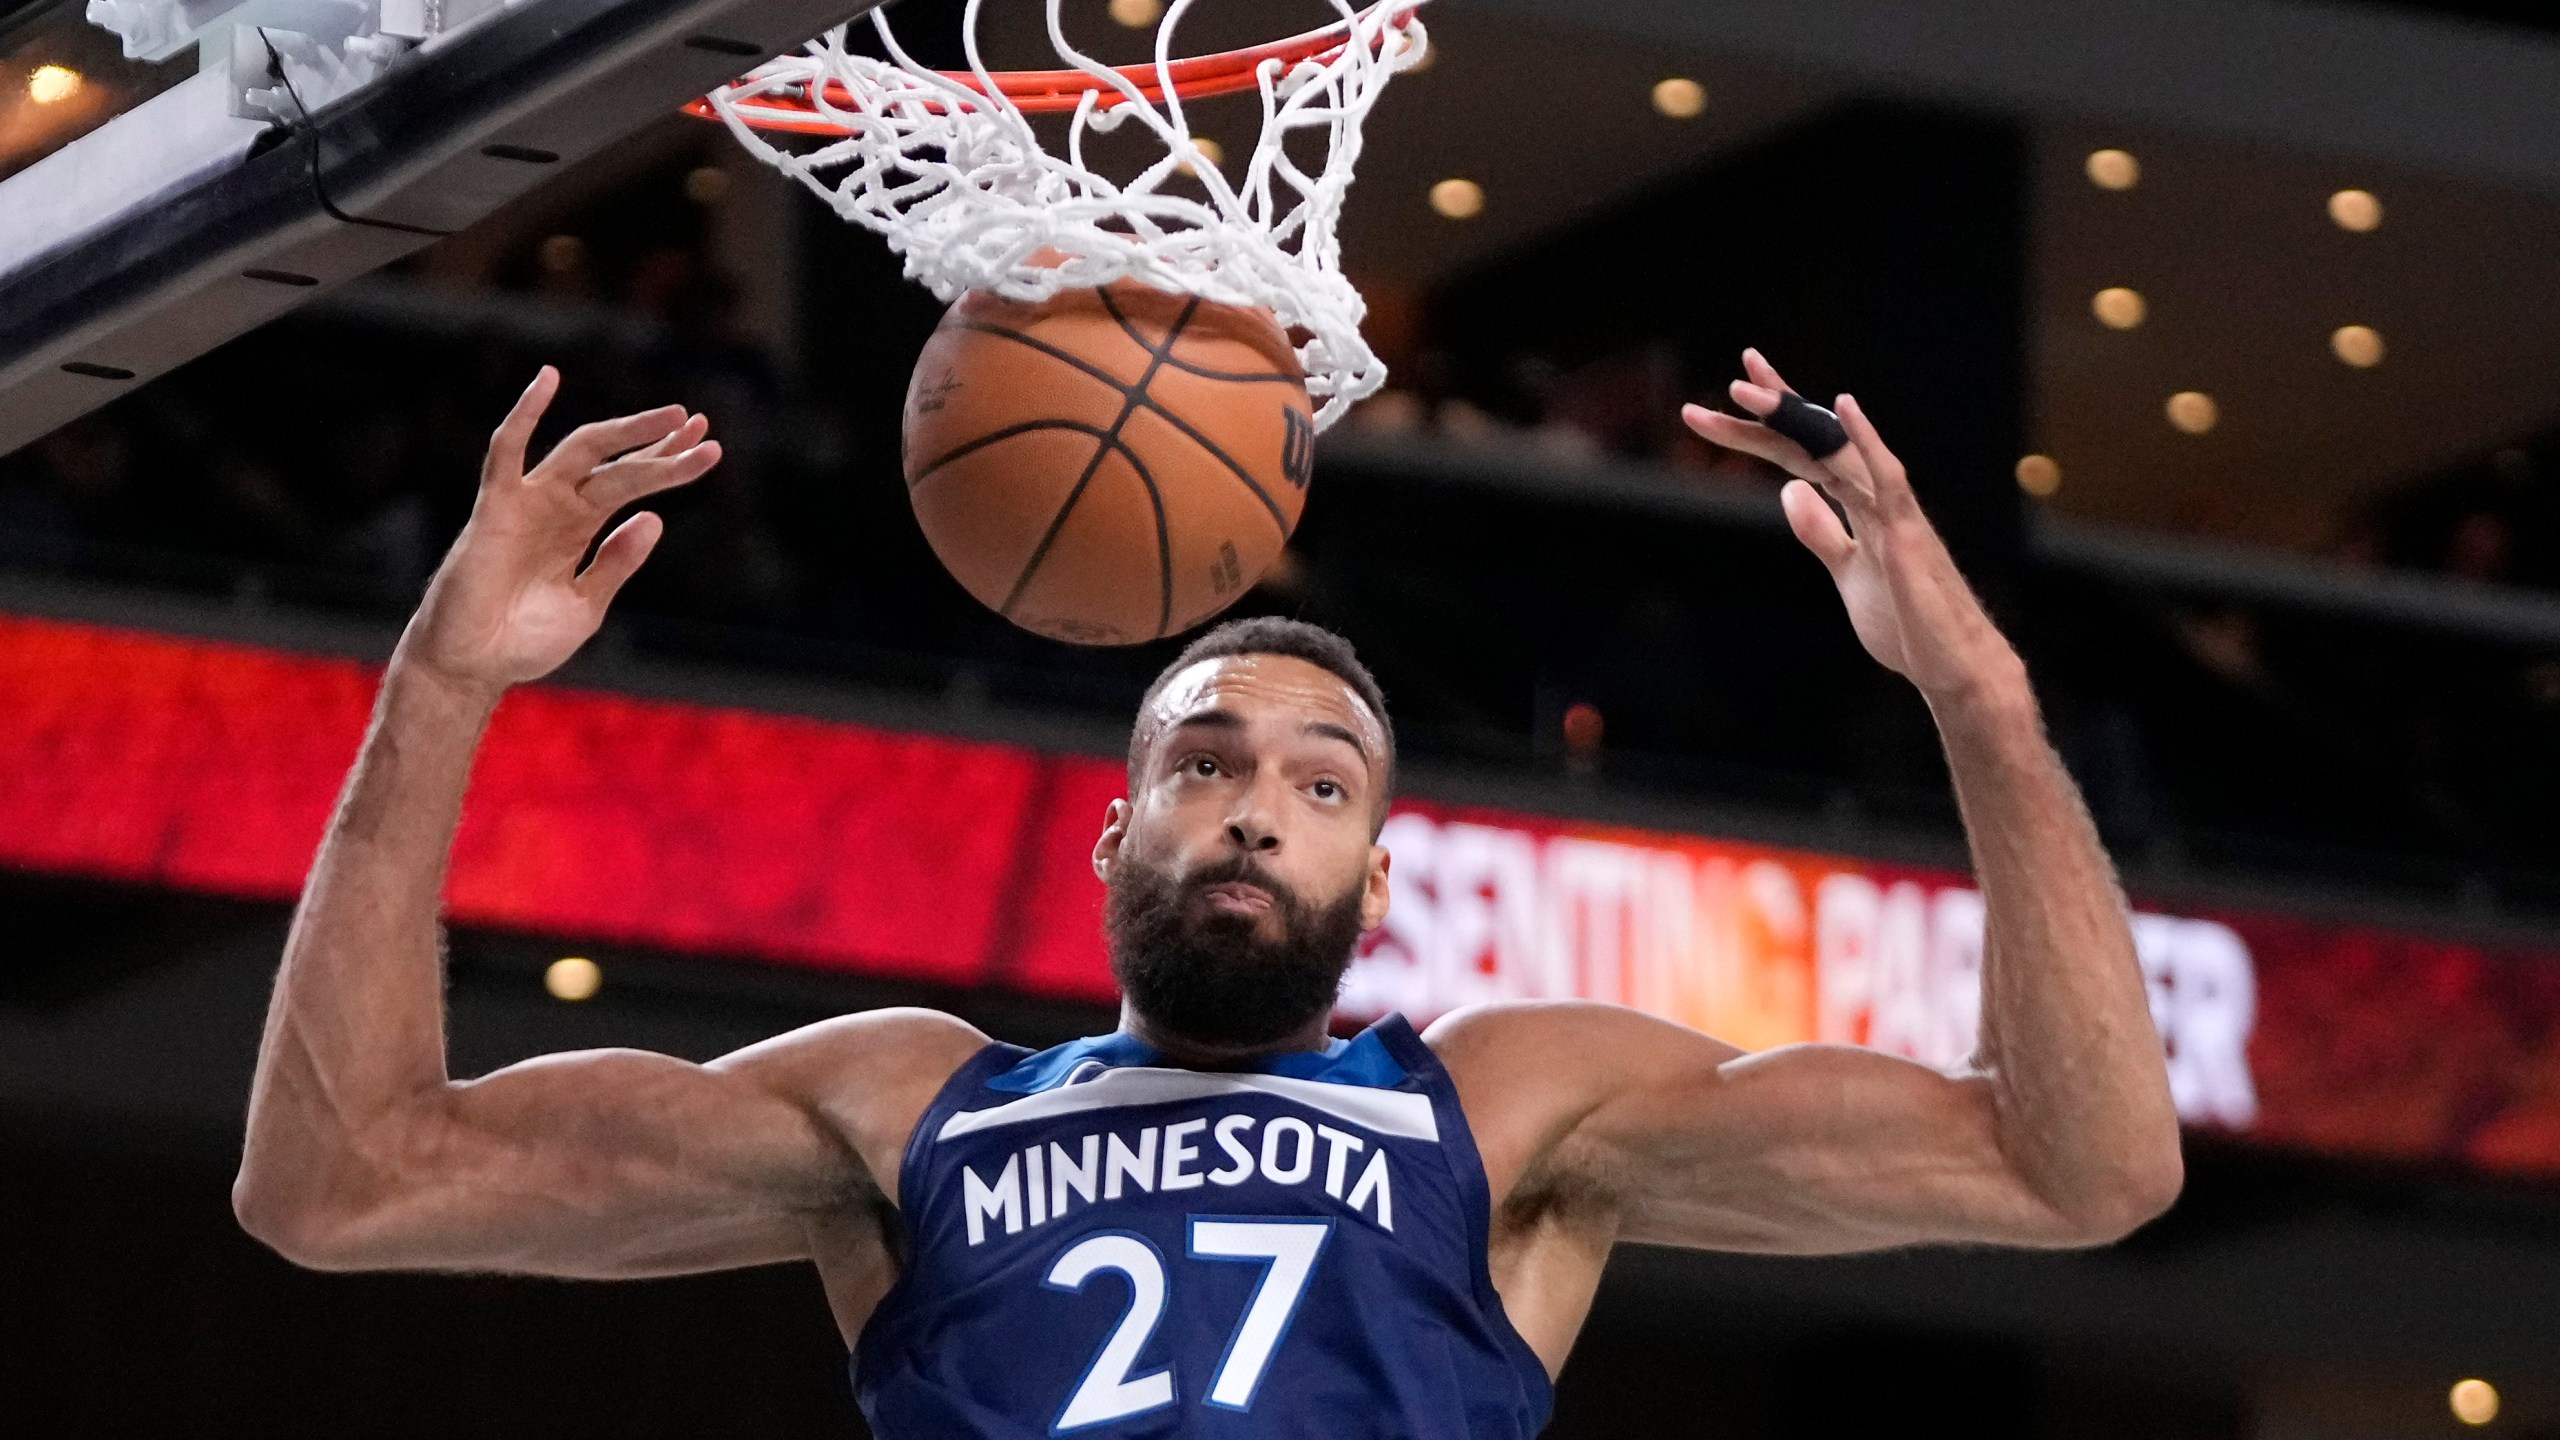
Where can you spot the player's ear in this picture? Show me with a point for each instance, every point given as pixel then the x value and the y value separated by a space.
pixel 1373 888
pixel 1115 829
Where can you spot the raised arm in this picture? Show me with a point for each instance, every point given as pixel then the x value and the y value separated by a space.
pixel 361 1151
pixel 2061 1132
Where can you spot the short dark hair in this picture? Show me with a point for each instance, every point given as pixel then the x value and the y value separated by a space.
pixel 1273 635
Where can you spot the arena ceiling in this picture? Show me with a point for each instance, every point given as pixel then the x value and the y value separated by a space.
pixel 2244 117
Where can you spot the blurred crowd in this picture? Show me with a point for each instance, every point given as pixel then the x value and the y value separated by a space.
pixel 332 459
pixel 2494 520
pixel 322 455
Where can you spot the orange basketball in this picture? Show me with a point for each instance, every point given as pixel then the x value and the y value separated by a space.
pixel 1111 465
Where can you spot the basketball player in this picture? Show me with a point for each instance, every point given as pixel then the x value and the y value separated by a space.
pixel 1215 1221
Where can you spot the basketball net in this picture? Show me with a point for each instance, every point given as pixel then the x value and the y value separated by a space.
pixel 950 173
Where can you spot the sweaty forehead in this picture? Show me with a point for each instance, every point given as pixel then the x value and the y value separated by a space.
pixel 1254 687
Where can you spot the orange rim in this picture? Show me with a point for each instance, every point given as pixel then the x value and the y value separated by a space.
pixel 1041 92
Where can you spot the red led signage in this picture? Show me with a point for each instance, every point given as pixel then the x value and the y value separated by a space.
pixel 213 767
pixel 726 832
pixel 2353 1041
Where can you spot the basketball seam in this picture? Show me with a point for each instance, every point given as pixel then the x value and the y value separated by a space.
pixel 1108 444
pixel 1086 427
pixel 1237 377
pixel 1164 542
pixel 1130 329
pixel 1132 397
pixel 1155 497
pixel 1127 327
pixel 1221 456
pixel 1069 357
pixel 1137 395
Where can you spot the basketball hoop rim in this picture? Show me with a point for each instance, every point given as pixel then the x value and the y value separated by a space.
pixel 1050 92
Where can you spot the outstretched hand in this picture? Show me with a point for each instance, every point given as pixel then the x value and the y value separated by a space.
pixel 510 603
pixel 1910 607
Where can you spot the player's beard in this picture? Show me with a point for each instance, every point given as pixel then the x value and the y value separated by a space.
pixel 1207 974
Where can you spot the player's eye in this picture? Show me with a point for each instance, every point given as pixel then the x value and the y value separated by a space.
pixel 1328 790
pixel 1202 765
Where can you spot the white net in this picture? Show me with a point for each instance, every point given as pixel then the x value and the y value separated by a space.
pixel 955 179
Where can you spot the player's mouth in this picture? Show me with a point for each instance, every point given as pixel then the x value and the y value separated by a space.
pixel 1235 897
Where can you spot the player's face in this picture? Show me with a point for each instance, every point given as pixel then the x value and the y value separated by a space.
pixel 1242 868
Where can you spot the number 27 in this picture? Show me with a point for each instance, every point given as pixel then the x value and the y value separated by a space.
pixel 1288 1247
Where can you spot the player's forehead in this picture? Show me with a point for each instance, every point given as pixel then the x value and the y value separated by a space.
pixel 1275 694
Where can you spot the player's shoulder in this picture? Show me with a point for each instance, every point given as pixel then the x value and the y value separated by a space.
pixel 1495 1026
pixel 1559 1046
pixel 868 1076
pixel 1535 1075
pixel 901 1047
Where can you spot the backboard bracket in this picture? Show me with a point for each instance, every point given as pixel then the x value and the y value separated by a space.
pixel 459 129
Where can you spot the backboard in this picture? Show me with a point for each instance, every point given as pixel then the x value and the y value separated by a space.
pixel 315 141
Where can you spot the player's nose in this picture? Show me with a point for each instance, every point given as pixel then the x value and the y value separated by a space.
pixel 1252 826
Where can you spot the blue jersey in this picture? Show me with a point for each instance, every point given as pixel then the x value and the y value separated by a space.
pixel 1099 1243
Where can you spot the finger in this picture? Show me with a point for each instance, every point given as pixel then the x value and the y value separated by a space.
pixel 633 477
pixel 601 440
pixel 514 433
pixel 1889 482
pixel 619 556
pixel 1756 366
pixel 1838 470
pixel 1791 415
pixel 1756 398
pixel 1735 432
pixel 684 437
pixel 1753 438
pixel 594 443
pixel 1850 464
pixel 1818 526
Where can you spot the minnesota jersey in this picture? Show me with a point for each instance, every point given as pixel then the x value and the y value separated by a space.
pixel 1101 1243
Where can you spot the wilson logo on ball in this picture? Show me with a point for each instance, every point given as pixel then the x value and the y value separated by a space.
pixel 1297 446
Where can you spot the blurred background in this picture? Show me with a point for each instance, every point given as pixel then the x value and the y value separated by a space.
pixel 2230 367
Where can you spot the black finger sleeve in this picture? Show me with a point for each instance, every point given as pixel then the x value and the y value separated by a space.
pixel 1807 424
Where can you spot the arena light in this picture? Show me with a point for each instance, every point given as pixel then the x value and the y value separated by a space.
pixel 1679 97
pixel 1458 199
pixel 2357 345
pixel 2355 210
pixel 2039 475
pixel 2193 411
pixel 2113 169
pixel 1210 150
pixel 1583 729
pixel 51 84
pixel 1137 14
pixel 573 978
pixel 706 185
pixel 2474 1402
pixel 2119 307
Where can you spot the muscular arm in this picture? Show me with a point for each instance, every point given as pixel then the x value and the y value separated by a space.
pixel 2061 1131
pixel 362 1152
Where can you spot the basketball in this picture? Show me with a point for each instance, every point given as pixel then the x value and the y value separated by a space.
pixel 1108 466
